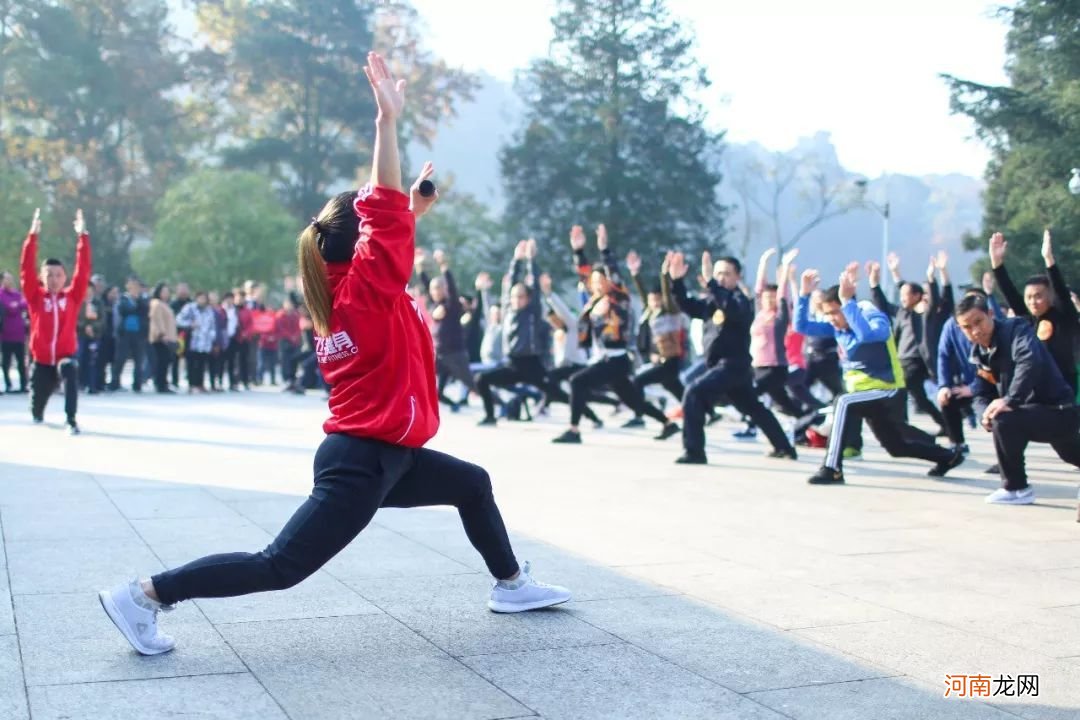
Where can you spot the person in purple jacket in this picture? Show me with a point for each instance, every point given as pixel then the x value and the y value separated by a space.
pixel 12 331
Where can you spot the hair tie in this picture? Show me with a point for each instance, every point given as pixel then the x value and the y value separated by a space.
pixel 316 225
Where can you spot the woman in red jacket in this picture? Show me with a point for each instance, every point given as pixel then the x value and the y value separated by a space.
pixel 356 259
pixel 54 306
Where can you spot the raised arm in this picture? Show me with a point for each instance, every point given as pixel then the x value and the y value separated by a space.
pixel 28 272
pixel 692 306
pixel 1013 298
pixel 633 264
pixel 877 295
pixel 80 276
pixel 763 271
pixel 1062 296
pixel 803 324
pixel 668 297
pixel 871 326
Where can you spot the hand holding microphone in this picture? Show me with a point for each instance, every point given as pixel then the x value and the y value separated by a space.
pixel 423 193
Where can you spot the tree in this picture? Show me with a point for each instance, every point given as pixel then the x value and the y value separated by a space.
pixel 612 135
pixel 18 198
pixel 217 228
pixel 1032 127
pixel 89 112
pixel 462 226
pixel 288 79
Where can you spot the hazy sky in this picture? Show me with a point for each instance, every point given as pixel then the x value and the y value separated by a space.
pixel 783 69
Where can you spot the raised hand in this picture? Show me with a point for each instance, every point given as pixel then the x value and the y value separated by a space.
pixel 483 282
pixel 677 267
pixel 706 265
pixel 1048 248
pixel 633 263
pixel 417 202
pixel 790 273
pixel 893 261
pixel 848 282
pixel 531 248
pixel 420 256
pixel 545 283
pixel 873 273
pixel 35 224
pixel 601 237
pixel 988 282
pixel 521 250
pixel 942 260
pixel 80 222
pixel 810 282
pixel 998 246
pixel 767 255
pixel 389 95
pixel 442 260
pixel 931 268
pixel 789 256
pixel 577 237
pixel 665 266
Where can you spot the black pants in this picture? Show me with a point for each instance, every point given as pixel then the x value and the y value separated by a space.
pixel 1034 423
pixel 229 362
pixel 885 412
pixel 453 366
pixel 612 372
pixel 522 369
pixel 106 353
pixel 174 364
pixel 954 415
pixel 310 376
pixel 196 365
pixel 915 376
pixel 163 355
pixel 268 358
pixel 354 477
pixel 772 381
pixel 129 346
pixel 737 386
pixel 799 389
pixel 245 373
pixel 43 382
pixel 825 369
pixel 10 350
pixel 288 351
pixel 553 391
pixel 664 373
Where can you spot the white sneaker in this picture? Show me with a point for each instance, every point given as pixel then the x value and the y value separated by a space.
pixel 135 616
pixel 1001 496
pixel 525 593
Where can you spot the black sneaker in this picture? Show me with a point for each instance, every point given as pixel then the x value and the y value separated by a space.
pixel 945 466
pixel 487 422
pixel 38 420
pixel 826 476
pixel 689 459
pixel 785 454
pixel 598 424
pixel 570 437
pixel 73 429
pixel 670 430
pixel 993 470
pixel 634 423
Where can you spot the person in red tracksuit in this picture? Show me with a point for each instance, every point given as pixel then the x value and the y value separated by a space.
pixel 54 314
pixel 356 259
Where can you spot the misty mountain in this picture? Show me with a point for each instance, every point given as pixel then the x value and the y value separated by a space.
pixel 926 213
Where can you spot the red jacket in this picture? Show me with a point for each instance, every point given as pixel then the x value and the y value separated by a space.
pixel 287 326
pixel 54 316
pixel 379 357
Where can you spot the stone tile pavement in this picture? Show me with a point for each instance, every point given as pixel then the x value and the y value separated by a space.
pixel 728 591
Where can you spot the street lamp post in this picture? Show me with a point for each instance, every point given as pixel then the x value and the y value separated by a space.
pixel 883 211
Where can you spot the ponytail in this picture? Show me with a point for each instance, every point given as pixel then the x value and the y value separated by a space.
pixel 316 286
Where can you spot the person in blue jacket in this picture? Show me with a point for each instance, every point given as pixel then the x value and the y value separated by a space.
pixel 873 376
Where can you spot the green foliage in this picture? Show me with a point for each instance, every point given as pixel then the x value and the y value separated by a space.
pixel 89 114
pixel 611 134
pixel 290 89
pixel 462 226
pixel 217 228
pixel 1033 129
pixel 18 198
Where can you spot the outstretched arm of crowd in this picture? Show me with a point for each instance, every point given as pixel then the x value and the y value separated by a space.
pixel 1062 296
pixel 803 324
pixel 31 287
pixel 998 248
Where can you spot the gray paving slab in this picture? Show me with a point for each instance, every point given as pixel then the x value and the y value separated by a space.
pixel 735 652
pixel 69 639
pixel 320 595
pixel 24 486
pixel 64 566
pixel 379 553
pixel 7 614
pixel 881 699
pixel 617 681
pixel 179 540
pixel 211 697
pixel 363 667
pixel 12 691
pixel 170 503
pixel 68 520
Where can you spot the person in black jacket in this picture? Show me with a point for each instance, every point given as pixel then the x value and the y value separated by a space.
pixel 605 324
pixel 1045 304
pixel 728 314
pixel 523 332
pixel 912 332
pixel 1019 395
pixel 445 308
pixel 131 335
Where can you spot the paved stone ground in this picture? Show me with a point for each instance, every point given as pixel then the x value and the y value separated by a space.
pixel 731 591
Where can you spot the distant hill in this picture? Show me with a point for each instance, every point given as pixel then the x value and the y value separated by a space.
pixel 927 213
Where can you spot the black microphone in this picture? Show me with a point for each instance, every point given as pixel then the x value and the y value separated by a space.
pixel 427 188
